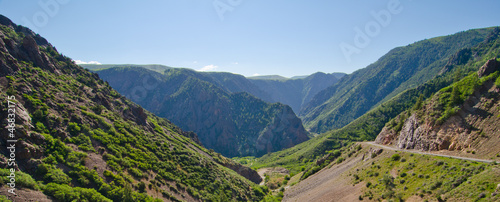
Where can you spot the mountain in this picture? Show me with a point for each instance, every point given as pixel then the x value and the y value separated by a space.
pixel 73 138
pixel 296 92
pixel 231 123
pixel 400 69
pixel 156 68
pixel 269 77
pixel 463 117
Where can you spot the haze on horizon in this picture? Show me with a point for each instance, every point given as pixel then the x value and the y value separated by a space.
pixel 245 37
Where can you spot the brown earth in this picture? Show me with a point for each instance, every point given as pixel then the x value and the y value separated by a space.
pixel 331 184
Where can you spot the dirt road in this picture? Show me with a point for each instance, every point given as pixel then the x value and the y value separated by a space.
pixel 426 153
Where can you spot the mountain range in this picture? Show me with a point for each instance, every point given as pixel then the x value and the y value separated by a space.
pixel 227 120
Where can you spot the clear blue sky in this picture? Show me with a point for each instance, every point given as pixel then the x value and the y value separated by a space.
pixel 249 37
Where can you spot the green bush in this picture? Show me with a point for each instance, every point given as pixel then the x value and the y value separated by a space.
pixel 142 187
pixel 395 157
pixel 56 175
pixel 73 128
pixel 23 180
pixel 66 193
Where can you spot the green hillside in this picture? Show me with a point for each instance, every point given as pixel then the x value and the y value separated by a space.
pixel 80 140
pixel 401 69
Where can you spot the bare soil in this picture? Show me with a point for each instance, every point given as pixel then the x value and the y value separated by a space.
pixel 330 184
pixel 25 195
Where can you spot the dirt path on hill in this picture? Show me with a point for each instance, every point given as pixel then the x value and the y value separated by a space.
pixel 261 172
pixel 331 184
pixel 426 153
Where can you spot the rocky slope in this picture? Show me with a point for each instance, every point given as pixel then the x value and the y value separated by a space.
pixel 472 128
pixel 234 124
pixel 77 139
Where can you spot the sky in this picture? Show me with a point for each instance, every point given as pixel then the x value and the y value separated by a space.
pixel 248 37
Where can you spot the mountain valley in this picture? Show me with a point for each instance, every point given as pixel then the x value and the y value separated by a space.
pixel 419 124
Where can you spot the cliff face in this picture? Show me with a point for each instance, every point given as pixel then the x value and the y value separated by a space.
pixel 474 127
pixel 285 131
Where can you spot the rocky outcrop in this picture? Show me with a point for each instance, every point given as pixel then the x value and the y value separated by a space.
pixel 473 128
pixel 285 131
pixel 488 68
pixel 244 171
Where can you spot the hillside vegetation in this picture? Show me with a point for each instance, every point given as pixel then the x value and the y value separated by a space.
pixel 80 140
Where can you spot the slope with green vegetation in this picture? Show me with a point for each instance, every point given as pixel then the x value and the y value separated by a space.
pixel 406 176
pixel 80 140
pixel 233 124
pixel 401 69
pixel 306 155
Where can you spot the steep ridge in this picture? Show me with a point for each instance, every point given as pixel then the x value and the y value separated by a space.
pixel 234 124
pixel 400 69
pixel 77 139
pixel 463 117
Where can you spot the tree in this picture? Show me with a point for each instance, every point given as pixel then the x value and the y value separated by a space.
pixel 142 187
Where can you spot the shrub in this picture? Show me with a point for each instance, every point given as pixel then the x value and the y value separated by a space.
pixel 395 157
pixel 388 181
pixel 142 187
pixel 67 193
pixel 73 128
